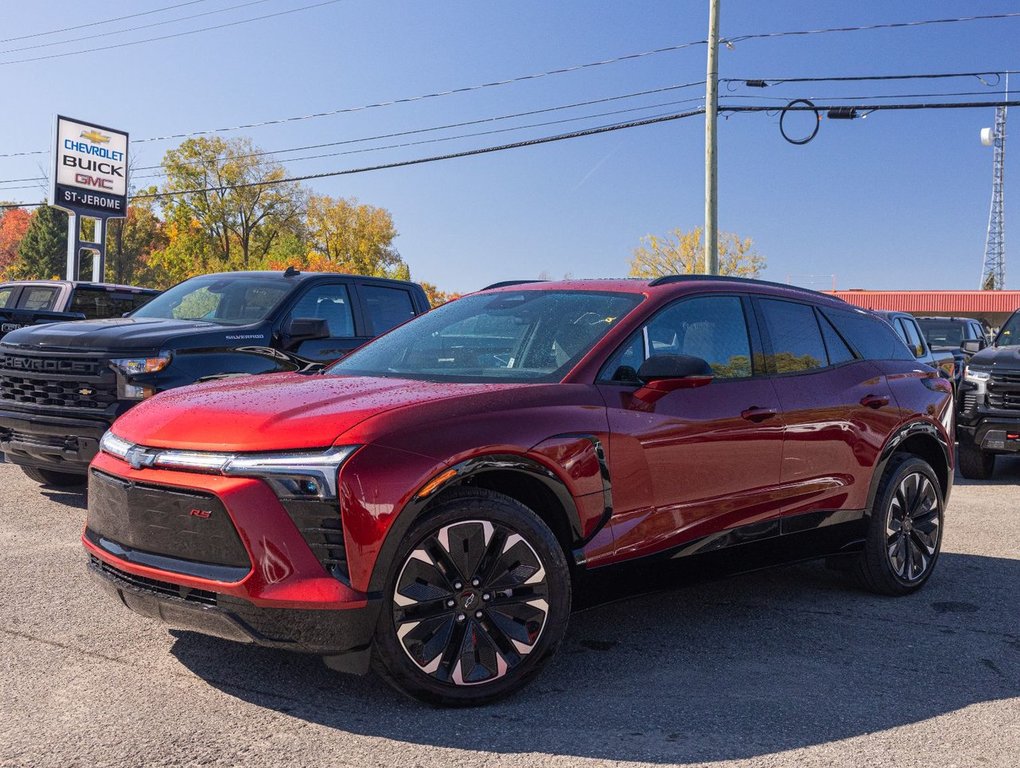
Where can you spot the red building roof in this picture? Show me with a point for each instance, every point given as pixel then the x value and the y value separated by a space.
pixel 963 303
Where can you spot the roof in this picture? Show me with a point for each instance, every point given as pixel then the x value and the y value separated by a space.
pixel 85 284
pixel 953 302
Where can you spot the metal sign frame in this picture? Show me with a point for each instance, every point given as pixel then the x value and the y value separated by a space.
pixel 97 190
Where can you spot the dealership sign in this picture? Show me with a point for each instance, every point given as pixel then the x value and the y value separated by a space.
pixel 90 169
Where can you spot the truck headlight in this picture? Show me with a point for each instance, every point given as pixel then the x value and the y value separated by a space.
pixel 132 366
pixel 294 474
pixel 976 375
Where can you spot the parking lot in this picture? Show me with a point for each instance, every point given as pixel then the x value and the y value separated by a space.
pixel 778 668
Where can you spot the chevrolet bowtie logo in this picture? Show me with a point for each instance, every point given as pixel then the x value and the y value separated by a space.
pixel 95 136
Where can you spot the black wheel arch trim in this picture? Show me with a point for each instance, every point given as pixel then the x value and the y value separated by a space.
pixel 892 445
pixel 471 468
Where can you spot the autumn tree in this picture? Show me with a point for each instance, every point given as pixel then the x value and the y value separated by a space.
pixel 346 236
pixel 682 253
pixel 42 252
pixel 235 194
pixel 436 296
pixel 131 241
pixel 13 226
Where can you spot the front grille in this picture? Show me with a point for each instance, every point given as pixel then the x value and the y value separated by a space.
pixel 969 401
pixel 57 381
pixel 163 588
pixel 320 526
pixel 1004 391
pixel 189 526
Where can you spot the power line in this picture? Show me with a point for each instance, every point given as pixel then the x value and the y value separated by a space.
pixel 134 29
pixel 876 107
pixel 103 21
pixel 869 27
pixel 767 81
pixel 170 36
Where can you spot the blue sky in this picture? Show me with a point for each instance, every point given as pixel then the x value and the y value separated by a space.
pixel 897 200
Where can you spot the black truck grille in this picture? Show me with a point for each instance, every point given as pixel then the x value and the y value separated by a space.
pixel 191 531
pixel 58 381
pixel 319 524
pixel 1004 391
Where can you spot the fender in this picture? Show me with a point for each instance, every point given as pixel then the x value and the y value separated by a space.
pixel 465 471
pixel 901 435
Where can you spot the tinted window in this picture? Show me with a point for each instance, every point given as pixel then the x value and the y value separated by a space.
pixel 38 298
pixel 912 336
pixel 331 303
pixel 796 339
pixel 521 336
pixel 710 327
pixel 386 307
pixel 1009 336
pixel 97 303
pixel 871 336
pixel 838 351
pixel 942 333
pixel 223 299
pixel 6 294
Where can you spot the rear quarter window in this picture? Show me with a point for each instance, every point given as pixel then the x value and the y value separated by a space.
pixel 98 304
pixel 873 338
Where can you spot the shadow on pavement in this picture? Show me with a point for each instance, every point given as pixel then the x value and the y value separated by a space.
pixel 739 668
pixel 1007 472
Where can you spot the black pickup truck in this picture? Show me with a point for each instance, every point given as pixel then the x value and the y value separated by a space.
pixel 988 408
pixel 33 302
pixel 62 385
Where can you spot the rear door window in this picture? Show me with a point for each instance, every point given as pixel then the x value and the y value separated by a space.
pixel 38 297
pixel 386 307
pixel 838 351
pixel 98 303
pixel 8 295
pixel 796 338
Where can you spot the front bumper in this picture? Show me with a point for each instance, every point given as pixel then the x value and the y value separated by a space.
pixel 50 442
pixel 276 593
pixel 992 433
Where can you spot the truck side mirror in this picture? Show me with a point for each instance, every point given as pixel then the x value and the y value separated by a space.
pixel 972 346
pixel 299 329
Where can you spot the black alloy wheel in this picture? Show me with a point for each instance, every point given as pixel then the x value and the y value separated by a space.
pixel 905 535
pixel 479 599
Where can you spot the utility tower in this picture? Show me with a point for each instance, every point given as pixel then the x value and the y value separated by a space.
pixel 993 271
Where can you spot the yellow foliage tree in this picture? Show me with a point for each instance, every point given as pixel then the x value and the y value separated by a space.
pixel 682 253
pixel 436 296
pixel 345 236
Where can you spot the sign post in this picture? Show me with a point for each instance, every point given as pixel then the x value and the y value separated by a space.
pixel 90 176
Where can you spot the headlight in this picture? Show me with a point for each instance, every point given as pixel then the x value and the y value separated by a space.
pixel 298 474
pixel 131 366
pixel 976 375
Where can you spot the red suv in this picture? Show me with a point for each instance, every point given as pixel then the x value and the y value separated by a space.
pixel 426 503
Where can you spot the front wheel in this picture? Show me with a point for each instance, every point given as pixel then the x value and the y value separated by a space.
pixel 905 534
pixel 477 600
pixel 54 478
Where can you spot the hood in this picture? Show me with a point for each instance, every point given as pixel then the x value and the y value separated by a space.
pixel 276 412
pixel 1006 358
pixel 127 334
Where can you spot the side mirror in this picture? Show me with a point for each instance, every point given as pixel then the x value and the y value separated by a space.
pixel 663 374
pixel 973 346
pixel 299 329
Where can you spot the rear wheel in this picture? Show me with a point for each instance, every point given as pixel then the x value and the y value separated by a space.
pixel 975 464
pixel 905 534
pixel 476 602
pixel 53 478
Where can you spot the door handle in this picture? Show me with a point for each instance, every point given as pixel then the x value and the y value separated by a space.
pixel 874 401
pixel 755 413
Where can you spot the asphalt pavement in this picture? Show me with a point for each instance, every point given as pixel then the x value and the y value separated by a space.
pixel 784 667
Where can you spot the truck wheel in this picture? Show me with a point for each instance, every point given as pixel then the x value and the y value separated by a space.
pixel 905 533
pixel 975 464
pixel 476 601
pixel 56 479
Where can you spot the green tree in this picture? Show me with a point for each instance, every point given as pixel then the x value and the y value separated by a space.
pixel 42 252
pixel 347 236
pixel 236 209
pixel 682 253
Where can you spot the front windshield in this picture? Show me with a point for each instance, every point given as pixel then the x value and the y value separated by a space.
pixel 1009 336
pixel 942 333
pixel 221 299
pixel 534 335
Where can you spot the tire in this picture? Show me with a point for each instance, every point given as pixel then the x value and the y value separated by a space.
pixel 905 533
pixel 975 464
pixel 55 479
pixel 482 641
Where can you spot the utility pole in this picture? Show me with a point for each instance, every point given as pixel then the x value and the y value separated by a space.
pixel 711 163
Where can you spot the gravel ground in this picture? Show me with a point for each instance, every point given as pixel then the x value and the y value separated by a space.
pixel 785 667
